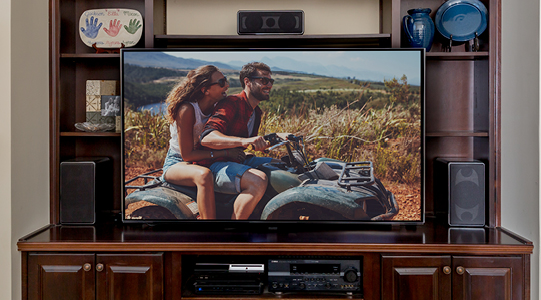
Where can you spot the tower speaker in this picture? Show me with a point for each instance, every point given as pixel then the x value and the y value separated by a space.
pixel 85 184
pixel 270 22
pixel 460 185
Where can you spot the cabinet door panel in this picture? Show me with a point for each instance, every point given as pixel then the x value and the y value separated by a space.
pixel 130 276
pixel 60 276
pixel 487 278
pixel 415 277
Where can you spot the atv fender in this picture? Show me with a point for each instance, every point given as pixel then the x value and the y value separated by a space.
pixel 327 197
pixel 172 200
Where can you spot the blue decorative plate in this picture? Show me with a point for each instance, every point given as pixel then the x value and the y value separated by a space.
pixel 461 19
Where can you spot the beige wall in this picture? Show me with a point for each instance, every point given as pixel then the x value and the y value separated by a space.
pixel 24 120
pixel 520 124
pixel 5 152
pixel 321 16
pixel 29 129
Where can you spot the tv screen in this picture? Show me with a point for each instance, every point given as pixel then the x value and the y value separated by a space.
pixel 343 133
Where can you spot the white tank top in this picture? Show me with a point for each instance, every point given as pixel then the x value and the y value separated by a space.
pixel 200 121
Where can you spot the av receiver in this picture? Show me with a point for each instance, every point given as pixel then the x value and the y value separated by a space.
pixel 315 275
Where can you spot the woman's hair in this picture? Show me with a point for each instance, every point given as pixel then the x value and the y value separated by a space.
pixel 189 89
pixel 250 69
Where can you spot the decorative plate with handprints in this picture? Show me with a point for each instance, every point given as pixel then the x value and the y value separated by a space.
pixel 111 28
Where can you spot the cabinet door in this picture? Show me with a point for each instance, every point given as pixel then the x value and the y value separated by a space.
pixel 61 276
pixel 487 278
pixel 416 278
pixel 129 276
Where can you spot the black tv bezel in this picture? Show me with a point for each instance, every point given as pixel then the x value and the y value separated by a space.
pixel 281 225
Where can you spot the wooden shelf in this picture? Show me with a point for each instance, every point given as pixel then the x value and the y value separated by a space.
pixel 457 134
pixel 457 55
pixel 90 134
pixel 90 55
pixel 432 237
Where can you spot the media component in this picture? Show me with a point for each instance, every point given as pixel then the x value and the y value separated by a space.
pixel 228 279
pixel 315 275
pixel 270 22
pixel 352 170
pixel 85 185
pixel 462 183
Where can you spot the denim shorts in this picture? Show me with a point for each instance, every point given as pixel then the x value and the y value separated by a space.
pixel 227 174
pixel 171 159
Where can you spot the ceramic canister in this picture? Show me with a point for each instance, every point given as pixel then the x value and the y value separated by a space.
pixel 419 28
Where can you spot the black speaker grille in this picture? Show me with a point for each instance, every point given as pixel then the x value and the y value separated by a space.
pixel 270 22
pixel 467 194
pixel 82 182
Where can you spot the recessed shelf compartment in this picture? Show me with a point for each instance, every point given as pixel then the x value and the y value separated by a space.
pixel 274 41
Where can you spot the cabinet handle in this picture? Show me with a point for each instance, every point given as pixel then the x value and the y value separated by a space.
pixel 87 267
pixel 446 270
pixel 460 270
pixel 99 267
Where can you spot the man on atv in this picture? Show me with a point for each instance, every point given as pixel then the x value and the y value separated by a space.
pixel 235 123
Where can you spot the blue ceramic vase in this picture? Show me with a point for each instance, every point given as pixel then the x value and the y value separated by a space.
pixel 419 28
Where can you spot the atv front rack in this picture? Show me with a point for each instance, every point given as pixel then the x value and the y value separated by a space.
pixel 154 181
pixel 359 173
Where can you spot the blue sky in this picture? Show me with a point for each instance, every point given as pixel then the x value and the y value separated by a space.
pixel 365 65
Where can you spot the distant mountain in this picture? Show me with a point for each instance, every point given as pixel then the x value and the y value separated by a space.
pixel 314 67
pixel 164 60
pixel 282 63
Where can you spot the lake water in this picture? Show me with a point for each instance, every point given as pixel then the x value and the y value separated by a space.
pixel 155 108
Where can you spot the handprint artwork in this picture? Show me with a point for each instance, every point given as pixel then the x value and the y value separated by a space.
pixel 124 28
pixel 114 27
pixel 134 26
pixel 92 28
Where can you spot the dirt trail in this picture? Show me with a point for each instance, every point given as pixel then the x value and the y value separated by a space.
pixel 409 201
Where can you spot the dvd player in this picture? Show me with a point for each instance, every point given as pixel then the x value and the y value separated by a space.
pixel 228 279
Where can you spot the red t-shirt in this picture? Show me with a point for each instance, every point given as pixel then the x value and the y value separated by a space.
pixel 231 117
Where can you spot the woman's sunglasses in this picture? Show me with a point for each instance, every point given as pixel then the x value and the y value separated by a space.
pixel 221 82
pixel 264 80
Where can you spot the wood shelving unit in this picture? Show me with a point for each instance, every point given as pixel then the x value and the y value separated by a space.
pixel 462 120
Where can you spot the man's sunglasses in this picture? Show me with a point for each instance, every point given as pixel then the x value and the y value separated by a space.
pixel 221 82
pixel 264 80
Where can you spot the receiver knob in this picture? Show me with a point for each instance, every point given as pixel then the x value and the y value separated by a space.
pixel 350 275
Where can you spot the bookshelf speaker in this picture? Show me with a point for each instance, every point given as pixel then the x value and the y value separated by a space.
pixel 85 183
pixel 460 184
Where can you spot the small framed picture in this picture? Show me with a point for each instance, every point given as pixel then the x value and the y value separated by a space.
pixel 110 106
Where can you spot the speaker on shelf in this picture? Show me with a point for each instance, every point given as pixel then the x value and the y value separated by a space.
pixel 270 22
pixel 85 184
pixel 459 184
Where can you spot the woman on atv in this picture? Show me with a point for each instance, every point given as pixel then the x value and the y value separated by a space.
pixel 190 103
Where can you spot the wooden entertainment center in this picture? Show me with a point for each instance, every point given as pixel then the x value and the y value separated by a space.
pixel 431 261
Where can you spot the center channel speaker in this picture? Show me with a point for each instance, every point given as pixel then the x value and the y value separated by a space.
pixel 86 184
pixel 270 22
pixel 459 184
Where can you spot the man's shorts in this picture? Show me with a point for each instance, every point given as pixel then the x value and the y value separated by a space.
pixel 227 174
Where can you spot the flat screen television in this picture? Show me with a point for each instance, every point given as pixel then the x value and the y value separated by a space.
pixel 354 154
